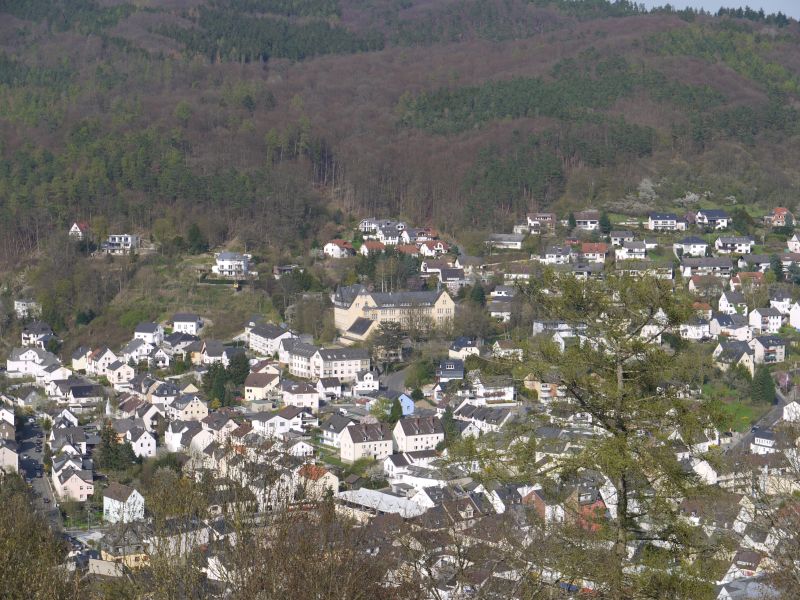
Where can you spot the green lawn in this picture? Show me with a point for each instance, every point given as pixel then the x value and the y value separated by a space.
pixel 743 415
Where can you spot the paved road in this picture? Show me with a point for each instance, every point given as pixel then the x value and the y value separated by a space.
pixel 769 420
pixel 395 381
pixel 29 464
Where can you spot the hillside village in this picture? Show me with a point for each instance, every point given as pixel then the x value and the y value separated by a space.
pixel 366 421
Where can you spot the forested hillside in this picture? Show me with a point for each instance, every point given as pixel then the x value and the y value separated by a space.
pixel 262 120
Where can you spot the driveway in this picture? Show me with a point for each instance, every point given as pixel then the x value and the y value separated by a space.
pixel 395 381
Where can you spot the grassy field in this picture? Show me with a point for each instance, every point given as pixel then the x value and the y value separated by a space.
pixel 742 415
pixel 161 288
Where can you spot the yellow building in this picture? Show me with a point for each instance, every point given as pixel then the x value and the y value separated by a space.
pixel 410 309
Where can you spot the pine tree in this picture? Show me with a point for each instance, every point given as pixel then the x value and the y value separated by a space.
pixel 396 412
pixel 762 388
pixel 238 369
pixel 605 224
pixel 478 295
pixel 572 222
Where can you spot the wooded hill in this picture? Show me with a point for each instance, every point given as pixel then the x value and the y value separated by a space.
pixel 268 120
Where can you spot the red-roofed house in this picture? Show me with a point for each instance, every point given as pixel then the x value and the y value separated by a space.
pixel 316 480
pixel 372 247
pixel 594 252
pixel 433 248
pixel 79 230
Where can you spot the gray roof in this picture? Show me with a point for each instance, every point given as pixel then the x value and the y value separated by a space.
pixel 388 300
pixel 146 327
pixel 269 330
pixel 733 240
pixel 337 423
pixel 421 426
pixel 185 318
pixel 367 432
pixel 295 346
pixel 230 256
pixel 344 354
pixel 360 326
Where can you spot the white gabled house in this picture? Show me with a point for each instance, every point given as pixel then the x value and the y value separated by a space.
pixel 768 349
pixel 364 440
pixel 264 339
pixel 690 246
pixel 122 504
pixel 734 245
pixel 765 320
pixel 731 303
pixel 417 433
pixel 150 333
pixel 186 323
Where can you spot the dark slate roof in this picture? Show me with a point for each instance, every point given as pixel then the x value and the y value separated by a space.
pixel 360 326
pixel 146 327
pixel 185 318
pixel 268 330
pixel 343 353
pixel 388 300
pixel 421 426
pixel 337 423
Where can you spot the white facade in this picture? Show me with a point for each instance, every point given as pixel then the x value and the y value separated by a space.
pixel 127 511
pixel 232 264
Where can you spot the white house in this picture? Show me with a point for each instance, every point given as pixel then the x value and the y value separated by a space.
pixel 793 244
pixel 791 412
pixel 763 442
pixel 263 339
pixel 696 329
pixel 734 327
pixel 431 248
pixel 631 251
pixel 79 230
pixel 618 237
pixel 765 320
pixel 338 249
pixel 333 428
pixel 186 323
pixel 712 218
pixel 731 303
pixel 734 245
pixel 9 456
pixel 120 243
pixel 794 315
pixel 417 433
pixel 781 300
pixel 366 441
pixel 690 246
pixel 556 255
pixel 142 441
pixel 587 220
pixel 300 394
pixel 289 418
pixel 150 333
pixel 122 504
pixel 23 362
pixel 25 308
pixel 366 381
pixel 664 222
pixel 768 349
pixel 232 264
